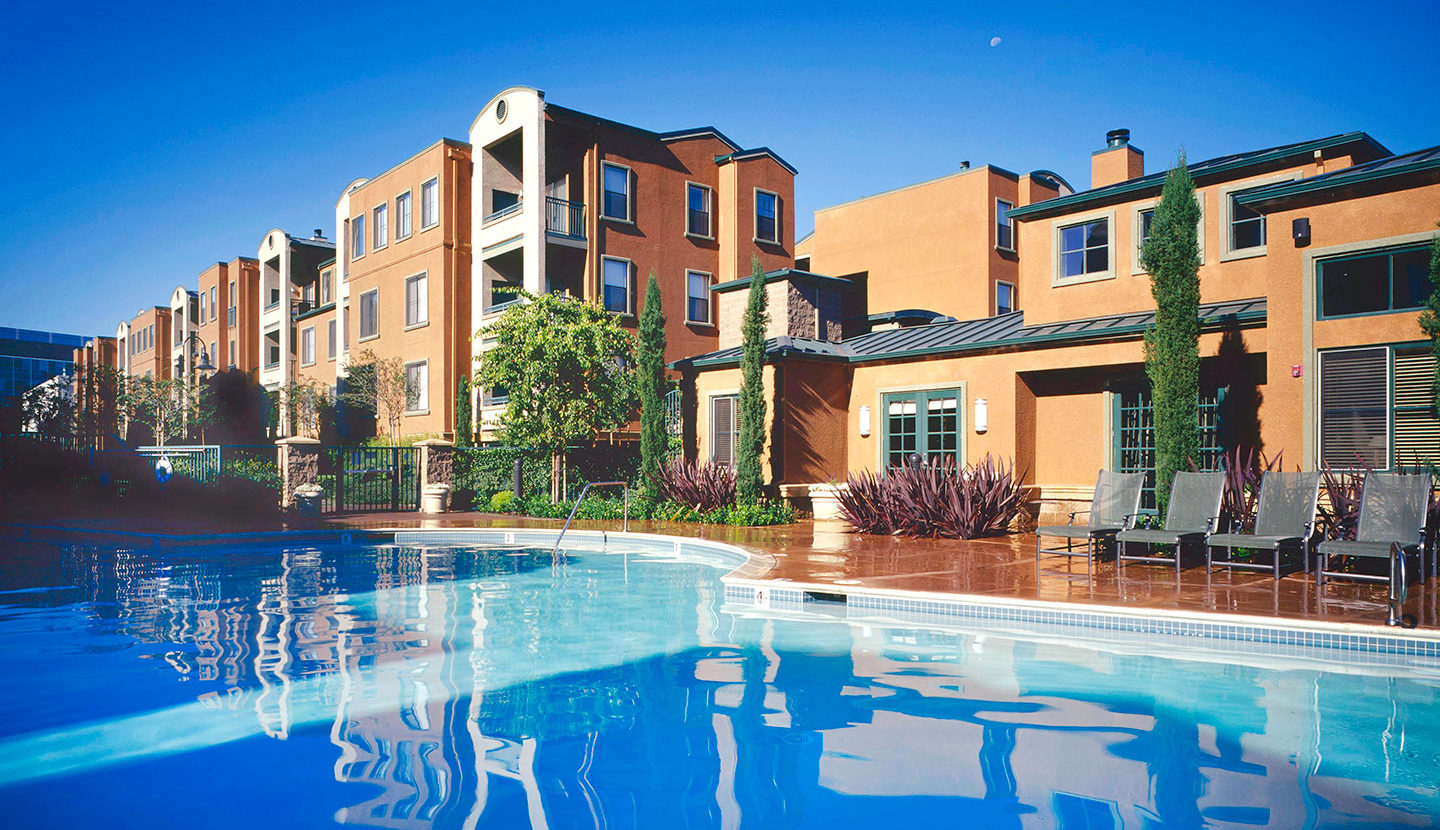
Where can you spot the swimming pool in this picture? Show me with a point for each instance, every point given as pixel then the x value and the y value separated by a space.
pixel 457 685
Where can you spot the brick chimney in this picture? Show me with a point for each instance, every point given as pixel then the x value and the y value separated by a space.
pixel 1118 161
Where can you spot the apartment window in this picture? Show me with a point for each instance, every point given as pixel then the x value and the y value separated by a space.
pixel 214 306
pixel 767 216
pixel 345 326
pixel 1354 407
pixel 230 312
pixel 357 237
pixel 1133 435
pixel 617 192
pixel 370 314
pixel 1085 249
pixel 417 386
pixel 1004 229
pixel 272 348
pixel 382 226
pixel 416 301
pixel 326 289
pixel 231 354
pixel 429 204
pixel 697 306
pixel 927 423
pixel 617 285
pixel 697 200
pixel 1004 298
pixel 402 215
pixel 1374 282
pixel 345 260
pixel 1247 227
pixel 307 346
pixel 330 340
pixel 724 428
pixel 201 320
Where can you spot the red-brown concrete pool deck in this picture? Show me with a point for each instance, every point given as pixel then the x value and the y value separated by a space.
pixel 824 553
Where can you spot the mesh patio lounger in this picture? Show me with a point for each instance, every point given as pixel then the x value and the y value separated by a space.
pixel 1392 525
pixel 1284 521
pixel 1193 514
pixel 1117 500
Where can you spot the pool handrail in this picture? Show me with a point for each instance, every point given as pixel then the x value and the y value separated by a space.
pixel 625 514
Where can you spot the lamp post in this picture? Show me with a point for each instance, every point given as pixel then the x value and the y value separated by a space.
pixel 203 364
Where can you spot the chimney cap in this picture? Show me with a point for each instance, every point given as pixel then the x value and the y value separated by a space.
pixel 965 165
pixel 319 233
pixel 1117 138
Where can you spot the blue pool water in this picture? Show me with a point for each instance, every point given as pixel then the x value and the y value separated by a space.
pixel 464 687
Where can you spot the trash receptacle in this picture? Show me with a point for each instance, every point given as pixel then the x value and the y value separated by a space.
pixel 307 500
pixel 435 498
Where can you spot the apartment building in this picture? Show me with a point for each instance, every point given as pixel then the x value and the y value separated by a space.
pixel 289 273
pixel 143 344
pixel 1311 278
pixel 317 331
pixel 570 202
pixel 404 288
pixel 229 308
pixel 185 346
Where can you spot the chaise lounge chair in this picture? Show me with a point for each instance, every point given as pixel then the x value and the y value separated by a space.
pixel 1284 521
pixel 1193 514
pixel 1116 502
pixel 1391 526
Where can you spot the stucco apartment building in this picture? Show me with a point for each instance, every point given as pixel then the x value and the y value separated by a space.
pixel 229 310
pixel 1312 272
pixel 143 344
pixel 289 273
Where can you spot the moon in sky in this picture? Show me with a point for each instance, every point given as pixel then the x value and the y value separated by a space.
pixel 994 41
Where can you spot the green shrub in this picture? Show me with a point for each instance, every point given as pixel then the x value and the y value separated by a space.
pixel 500 501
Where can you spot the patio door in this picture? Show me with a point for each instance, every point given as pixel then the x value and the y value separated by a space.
pixel 925 423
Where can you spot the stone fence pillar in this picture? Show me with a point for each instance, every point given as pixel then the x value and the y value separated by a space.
pixel 436 466
pixel 299 461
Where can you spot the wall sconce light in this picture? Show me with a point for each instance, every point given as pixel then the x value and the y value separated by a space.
pixel 864 422
pixel 982 415
pixel 1300 230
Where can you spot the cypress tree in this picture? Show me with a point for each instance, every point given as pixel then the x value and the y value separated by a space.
pixel 752 390
pixel 464 436
pixel 1430 317
pixel 1172 346
pixel 650 377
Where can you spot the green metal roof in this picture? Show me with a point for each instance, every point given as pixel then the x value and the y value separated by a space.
pixel 1394 167
pixel 774 276
pixel 1199 170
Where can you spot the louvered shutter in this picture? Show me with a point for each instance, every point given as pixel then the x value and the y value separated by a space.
pixel 1354 408
pixel 722 430
pixel 1417 430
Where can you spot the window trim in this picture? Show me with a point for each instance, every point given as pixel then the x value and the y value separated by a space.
pixel 1010 249
pixel 424 396
pixel 376 225
pixel 629 217
pixel 360 318
pixel 408 193
pixel 357 225
pixel 709 211
pixel 709 297
pixel 1058 227
pixel 962 426
pixel 1014 296
pixel 424 305
pixel 1384 250
pixel 435 180
pixel 629 284
pixel 755 218
pixel 310 330
pixel 1136 267
pixel 1224 193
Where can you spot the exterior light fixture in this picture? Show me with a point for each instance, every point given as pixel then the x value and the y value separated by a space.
pixel 864 422
pixel 982 415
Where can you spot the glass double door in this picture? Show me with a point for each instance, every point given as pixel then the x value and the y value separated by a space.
pixel 925 424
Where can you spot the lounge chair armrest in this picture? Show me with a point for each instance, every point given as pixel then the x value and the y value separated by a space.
pixel 1074 513
pixel 1128 522
pixel 1214 525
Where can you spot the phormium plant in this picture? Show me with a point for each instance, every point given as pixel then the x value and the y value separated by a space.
pixel 935 499
pixel 703 487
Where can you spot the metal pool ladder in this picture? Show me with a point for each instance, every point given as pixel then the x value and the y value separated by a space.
pixel 625 515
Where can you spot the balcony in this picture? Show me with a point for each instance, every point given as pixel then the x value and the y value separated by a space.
pixel 565 219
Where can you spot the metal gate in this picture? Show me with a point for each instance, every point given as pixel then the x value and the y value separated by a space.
pixel 367 479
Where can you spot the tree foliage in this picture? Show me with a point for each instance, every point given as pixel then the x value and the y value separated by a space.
pixel 1172 346
pixel 307 402
pixel 1430 316
pixel 162 405
pixel 97 404
pixel 49 408
pixel 748 480
pixel 650 382
pixel 562 363
pixel 464 430
pixel 380 385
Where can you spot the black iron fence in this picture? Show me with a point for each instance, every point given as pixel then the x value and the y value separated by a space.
pixel 369 479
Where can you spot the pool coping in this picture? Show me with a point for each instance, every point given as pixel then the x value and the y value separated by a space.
pixel 745 584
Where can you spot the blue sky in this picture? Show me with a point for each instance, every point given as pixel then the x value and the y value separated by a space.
pixel 144 142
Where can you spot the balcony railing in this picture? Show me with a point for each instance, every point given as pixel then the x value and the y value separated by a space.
pixel 509 210
pixel 564 218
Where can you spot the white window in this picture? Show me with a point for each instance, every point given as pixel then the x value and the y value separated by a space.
pixel 417 386
pixel 201 320
pixel 697 297
pixel 429 204
pixel 345 326
pixel 1004 298
pixel 697 210
pixel 382 226
pixel 307 346
pixel 616 203
pixel 214 306
pixel 1082 250
pixel 330 340
pixel 402 215
pixel 230 313
pixel 1004 229
pixel 417 310
pixel 767 216
pixel 357 237
pixel 326 288
pixel 617 285
pixel 724 429
pixel 370 314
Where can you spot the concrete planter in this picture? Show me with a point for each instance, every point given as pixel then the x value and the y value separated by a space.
pixel 435 498
pixel 307 500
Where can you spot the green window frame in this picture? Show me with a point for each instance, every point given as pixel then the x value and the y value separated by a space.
pixel 1339 291
pixel 928 422
pixel 1133 435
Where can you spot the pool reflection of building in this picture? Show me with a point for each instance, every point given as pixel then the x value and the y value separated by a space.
pixel 745 724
